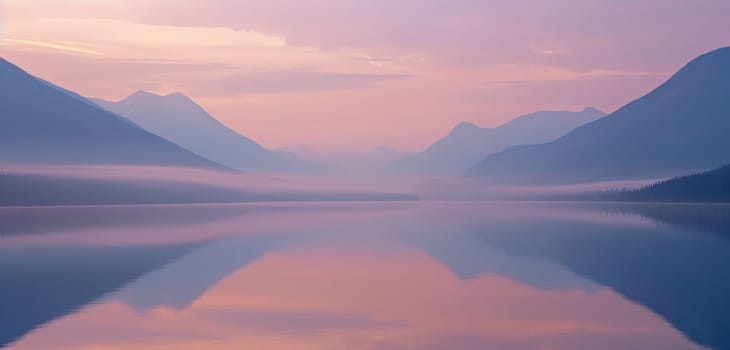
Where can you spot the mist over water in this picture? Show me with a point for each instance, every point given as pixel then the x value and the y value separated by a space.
pixel 455 188
pixel 119 184
pixel 124 184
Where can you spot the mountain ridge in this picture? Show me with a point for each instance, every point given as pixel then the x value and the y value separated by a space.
pixel 680 127
pixel 468 143
pixel 44 123
pixel 179 119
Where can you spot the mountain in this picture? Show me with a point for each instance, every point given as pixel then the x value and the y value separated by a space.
pixel 178 119
pixel 467 143
pixel 44 124
pixel 679 128
pixel 711 186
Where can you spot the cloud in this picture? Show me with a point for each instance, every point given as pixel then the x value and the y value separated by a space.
pixel 597 34
pixel 288 81
pixel 55 46
pixel 2 21
pixel 601 91
pixel 451 47
pixel 109 77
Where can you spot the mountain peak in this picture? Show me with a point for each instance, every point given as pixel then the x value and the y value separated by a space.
pixel 177 95
pixel 465 127
pixel 142 96
pixel 592 111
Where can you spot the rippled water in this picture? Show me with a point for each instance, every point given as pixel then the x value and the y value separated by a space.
pixel 366 276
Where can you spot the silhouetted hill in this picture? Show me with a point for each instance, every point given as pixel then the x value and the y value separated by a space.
pixel 467 143
pixel 42 123
pixel 679 128
pixel 180 120
pixel 711 186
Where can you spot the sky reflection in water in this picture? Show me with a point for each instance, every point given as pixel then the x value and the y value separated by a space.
pixel 365 276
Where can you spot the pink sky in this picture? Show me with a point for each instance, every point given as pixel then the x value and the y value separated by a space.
pixel 360 73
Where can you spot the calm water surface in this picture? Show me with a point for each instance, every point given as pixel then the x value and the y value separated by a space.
pixel 366 276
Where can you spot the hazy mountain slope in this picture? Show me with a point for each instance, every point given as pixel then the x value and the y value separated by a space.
pixel 680 127
pixel 41 123
pixel 467 143
pixel 178 119
pixel 108 105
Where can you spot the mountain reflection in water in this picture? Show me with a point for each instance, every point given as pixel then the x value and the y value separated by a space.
pixel 370 276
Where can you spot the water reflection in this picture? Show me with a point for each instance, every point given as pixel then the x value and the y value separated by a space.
pixel 368 276
pixel 40 284
pixel 675 268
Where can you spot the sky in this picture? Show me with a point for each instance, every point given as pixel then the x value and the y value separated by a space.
pixel 356 74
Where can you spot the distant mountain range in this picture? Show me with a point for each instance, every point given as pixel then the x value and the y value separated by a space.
pixel 467 143
pixel 681 127
pixel 178 119
pixel 44 124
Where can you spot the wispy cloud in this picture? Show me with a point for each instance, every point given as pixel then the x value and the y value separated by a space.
pixel 112 78
pixel 480 60
pixel 289 81
pixel 55 46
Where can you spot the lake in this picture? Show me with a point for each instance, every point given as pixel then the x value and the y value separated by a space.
pixel 440 275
